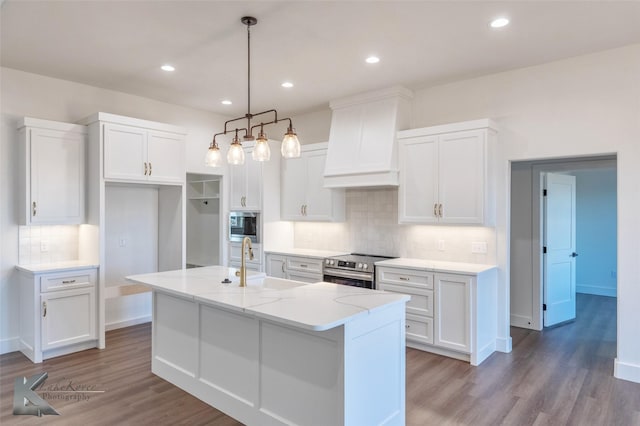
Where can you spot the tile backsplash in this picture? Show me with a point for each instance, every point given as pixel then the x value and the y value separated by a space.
pixel 372 227
pixel 46 244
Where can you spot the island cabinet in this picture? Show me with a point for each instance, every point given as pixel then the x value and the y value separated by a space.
pixel 446 174
pixel 452 310
pixel 58 312
pixel 295 267
pixel 280 352
pixel 303 195
pixel 52 172
pixel 246 184
pixel 235 256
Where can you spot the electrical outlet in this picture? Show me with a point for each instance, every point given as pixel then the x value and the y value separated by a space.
pixel 44 246
pixel 440 245
pixel 479 247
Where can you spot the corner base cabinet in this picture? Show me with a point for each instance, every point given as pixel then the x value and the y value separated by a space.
pixel 451 314
pixel 58 313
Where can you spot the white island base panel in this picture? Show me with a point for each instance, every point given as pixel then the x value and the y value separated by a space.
pixel 268 373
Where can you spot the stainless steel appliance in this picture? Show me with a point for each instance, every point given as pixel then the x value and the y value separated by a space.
pixel 354 269
pixel 244 224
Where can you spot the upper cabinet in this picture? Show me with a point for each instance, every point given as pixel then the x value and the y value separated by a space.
pixel 362 139
pixel 303 195
pixel 246 184
pixel 141 151
pixel 446 174
pixel 52 177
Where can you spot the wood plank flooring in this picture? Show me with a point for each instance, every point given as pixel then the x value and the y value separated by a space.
pixel 561 376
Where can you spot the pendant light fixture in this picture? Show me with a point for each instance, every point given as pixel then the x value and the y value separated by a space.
pixel 261 152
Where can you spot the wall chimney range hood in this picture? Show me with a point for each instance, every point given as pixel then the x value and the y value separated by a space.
pixel 362 141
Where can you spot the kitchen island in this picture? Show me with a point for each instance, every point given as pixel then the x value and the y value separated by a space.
pixel 280 351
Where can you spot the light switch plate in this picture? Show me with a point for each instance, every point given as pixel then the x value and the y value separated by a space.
pixel 479 247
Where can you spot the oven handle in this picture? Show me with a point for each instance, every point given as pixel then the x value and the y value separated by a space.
pixel 347 274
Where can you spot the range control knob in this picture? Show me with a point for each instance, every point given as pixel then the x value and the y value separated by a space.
pixel 359 265
pixel 332 262
pixel 326 261
pixel 365 266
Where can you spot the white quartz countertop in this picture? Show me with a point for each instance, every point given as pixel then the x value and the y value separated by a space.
pixel 321 254
pixel 57 267
pixel 319 306
pixel 436 265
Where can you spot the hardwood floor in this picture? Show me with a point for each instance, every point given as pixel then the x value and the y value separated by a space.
pixel 559 376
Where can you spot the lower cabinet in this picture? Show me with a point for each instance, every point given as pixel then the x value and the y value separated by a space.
pixel 449 314
pixel 298 268
pixel 235 257
pixel 58 313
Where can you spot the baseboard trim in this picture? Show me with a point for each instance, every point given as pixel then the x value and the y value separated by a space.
pixel 9 345
pixel 521 321
pixel 504 344
pixel 626 371
pixel 127 323
pixel 597 290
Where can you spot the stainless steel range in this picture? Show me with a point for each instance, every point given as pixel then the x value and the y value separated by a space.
pixel 354 269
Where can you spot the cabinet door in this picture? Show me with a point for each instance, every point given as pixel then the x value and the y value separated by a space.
pixel 165 157
pixel 294 188
pixel 452 315
pixel 57 164
pixel 319 200
pixel 125 153
pixel 275 266
pixel 253 200
pixel 305 277
pixel 418 191
pixel 461 184
pixel 68 317
pixel 237 186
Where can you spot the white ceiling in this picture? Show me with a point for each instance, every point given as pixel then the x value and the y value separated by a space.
pixel 320 46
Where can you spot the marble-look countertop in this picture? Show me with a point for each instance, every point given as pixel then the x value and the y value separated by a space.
pixel 436 265
pixel 43 268
pixel 320 254
pixel 320 306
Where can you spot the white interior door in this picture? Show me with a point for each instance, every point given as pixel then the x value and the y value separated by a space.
pixel 559 239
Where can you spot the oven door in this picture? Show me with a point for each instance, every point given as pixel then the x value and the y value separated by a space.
pixel 354 279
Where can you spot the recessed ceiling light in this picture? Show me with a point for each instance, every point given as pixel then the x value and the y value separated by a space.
pixel 372 60
pixel 287 84
pixel 499 23
pixel 226 102
pixel 168 67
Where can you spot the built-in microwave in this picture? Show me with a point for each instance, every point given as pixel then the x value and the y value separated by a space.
pixel 244 224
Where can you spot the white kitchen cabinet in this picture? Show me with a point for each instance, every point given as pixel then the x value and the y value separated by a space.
pixel 246 184
pixel 140 154
pixel 300 268
pixel 303 195
pixel 52 172
pixel 58 312
pixel 362 139
pixel 235 256
pixel 446 174
pixel 452 314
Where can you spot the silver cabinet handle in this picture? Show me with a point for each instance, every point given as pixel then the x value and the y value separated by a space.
pixel 145 168
pixel 44 307
pixel 440 210
pixel 34 208
pixel 305 209
pixel 302 209
pixel 150 169
pixel 404 279
pixel 282 267
pixel 435 209
pixel 68 281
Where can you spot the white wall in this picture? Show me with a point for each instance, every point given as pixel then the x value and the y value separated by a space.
pixel 588 105
pixel 24 94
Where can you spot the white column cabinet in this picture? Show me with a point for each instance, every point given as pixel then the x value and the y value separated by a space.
pixel 246 184
pixel 52 172
pixel 303 195
pixel 446 174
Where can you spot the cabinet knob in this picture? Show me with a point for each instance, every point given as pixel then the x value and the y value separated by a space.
pixel 44 309
pixel 407 326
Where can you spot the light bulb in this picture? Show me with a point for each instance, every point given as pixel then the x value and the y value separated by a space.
pixel 290 144
pixel 235 155
pixel 212 158
pixel 261 151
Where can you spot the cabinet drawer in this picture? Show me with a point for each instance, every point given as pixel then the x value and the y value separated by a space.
pixel 304 264
pixel 419 329
pixel 236 253
pixel 67 281
pixel 421 302
pixel 406 277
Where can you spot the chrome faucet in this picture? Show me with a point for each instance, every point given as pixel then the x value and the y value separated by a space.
pixel 242 273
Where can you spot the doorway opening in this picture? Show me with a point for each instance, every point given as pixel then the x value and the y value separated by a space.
pixel 594 256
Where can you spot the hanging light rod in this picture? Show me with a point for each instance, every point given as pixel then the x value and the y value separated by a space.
pixel 290 145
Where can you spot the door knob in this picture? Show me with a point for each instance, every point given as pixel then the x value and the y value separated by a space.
pixel 574 254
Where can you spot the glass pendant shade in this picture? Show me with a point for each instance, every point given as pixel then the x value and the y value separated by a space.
pixel 261 151
pixel 213 156
pixel 290 145
pixel 235 155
